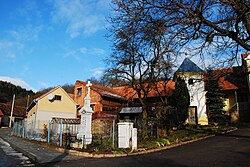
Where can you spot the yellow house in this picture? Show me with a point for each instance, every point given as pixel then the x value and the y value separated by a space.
pixel 56 103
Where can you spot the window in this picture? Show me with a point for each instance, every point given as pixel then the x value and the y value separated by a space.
pixel 58 97
pixel 92 106
pixel 191 98
pixel 79 91
pixel 190 81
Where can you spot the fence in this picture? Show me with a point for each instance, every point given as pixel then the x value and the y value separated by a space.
pixel 63 132
pixel 53 131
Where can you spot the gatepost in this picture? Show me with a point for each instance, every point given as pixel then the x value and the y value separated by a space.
pixel 134 139
pixel 127 135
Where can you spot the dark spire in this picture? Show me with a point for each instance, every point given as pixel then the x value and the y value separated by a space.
pixel 188 66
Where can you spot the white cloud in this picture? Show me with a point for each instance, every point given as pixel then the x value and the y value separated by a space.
pixel 81 16
pixel 17 82
pixel 75 54
pixel 97 51
pixel 97 72
pixel 92 51
pixel 44 84
pixel 11 56
pixel 9 49
pixel 78 53
pixel 14 42
pixel 26 33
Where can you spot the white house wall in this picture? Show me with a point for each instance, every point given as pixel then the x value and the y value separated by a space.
pixel 198 97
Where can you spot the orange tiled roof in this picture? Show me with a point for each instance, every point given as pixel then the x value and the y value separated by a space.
pixel 103 90
pixel 158 88
pixel 127 92
pixel 227 85
pixel 231 78
pixel 244 55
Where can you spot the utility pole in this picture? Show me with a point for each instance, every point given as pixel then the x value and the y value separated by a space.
pixel 12 107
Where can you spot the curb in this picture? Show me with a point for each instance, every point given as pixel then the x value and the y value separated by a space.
pixel 33 157
pixel 93 155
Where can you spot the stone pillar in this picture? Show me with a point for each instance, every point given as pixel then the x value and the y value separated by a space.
pixel 86 119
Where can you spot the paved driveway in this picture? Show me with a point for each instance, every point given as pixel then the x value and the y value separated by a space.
pixel 232 149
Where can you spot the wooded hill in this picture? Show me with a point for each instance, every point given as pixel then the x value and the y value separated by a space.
pixel 7 90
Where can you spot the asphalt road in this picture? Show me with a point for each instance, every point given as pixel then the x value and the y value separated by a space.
pixel 228 150
pixel 10 157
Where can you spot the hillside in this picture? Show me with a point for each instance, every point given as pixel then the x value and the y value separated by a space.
pixel 7 90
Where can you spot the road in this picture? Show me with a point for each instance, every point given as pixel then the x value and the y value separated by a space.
pixel 229 150
pixel 10 157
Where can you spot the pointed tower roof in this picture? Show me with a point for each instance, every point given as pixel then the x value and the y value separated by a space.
pixel 189 66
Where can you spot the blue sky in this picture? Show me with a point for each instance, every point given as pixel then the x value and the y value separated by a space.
pixel 46 43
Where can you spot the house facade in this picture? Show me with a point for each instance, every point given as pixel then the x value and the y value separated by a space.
pixel 235 84
pixel 56 103
pixel 105 102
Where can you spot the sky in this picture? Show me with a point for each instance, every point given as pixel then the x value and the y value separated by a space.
pixel 45 43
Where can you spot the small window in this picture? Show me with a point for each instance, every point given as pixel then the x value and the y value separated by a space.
pixel 190 81
pixel 191 98
pixel 57 97
pixel 92 106
pixel 79 91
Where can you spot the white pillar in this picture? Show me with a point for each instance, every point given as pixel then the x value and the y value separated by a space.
pixel 125 134
pixel 134 139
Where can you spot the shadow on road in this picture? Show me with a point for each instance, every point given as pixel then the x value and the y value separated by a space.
pixel 233 135
pixel 55 160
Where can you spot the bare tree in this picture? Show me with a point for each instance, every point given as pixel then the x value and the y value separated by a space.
pixel 148 36
pixel 219 28
pixel 142 53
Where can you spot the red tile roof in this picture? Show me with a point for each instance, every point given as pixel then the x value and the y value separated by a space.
pixel 127 92
pixel 103 90
pixel 231 78
pixel 163 88
pixel 244 55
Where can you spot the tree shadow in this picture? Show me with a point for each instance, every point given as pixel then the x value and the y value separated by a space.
pixel 233 135
pixel 56 160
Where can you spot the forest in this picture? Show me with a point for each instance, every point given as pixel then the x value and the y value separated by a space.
pixel 7 90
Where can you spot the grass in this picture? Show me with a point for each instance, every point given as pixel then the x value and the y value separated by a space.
pixel 182 135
